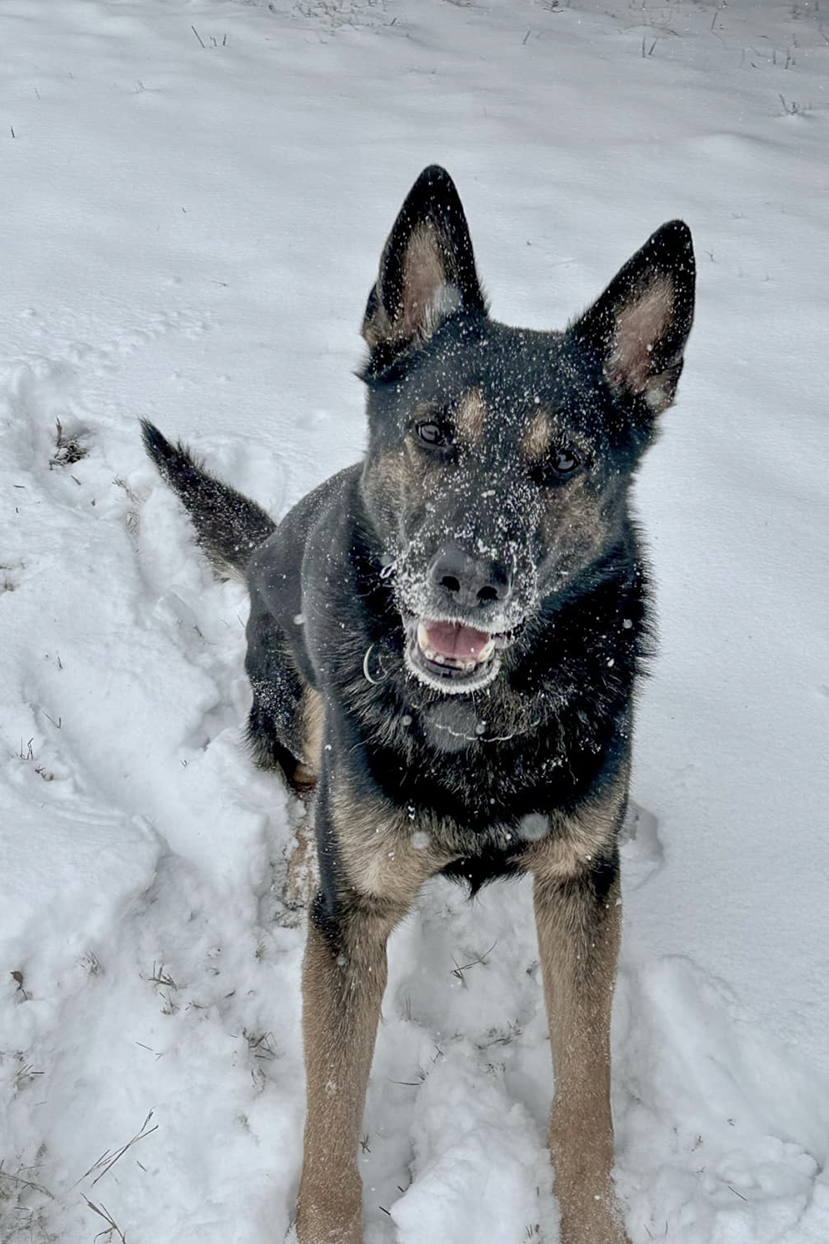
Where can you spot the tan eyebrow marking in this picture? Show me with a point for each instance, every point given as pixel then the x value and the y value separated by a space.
pixel 470 417
pixel 536 439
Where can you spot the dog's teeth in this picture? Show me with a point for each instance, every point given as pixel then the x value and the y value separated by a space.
pixel 465 666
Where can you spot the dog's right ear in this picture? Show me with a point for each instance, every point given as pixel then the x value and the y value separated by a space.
pixel 639 326
pixel 427 270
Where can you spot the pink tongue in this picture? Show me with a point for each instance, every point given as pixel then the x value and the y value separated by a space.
pixel 452 639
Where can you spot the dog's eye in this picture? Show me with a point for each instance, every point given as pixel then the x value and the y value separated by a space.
pixel 560 465
pixel 565 461
pixel 432 433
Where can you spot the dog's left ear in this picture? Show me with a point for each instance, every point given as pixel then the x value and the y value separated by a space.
pixel 641 323
pixel 427 269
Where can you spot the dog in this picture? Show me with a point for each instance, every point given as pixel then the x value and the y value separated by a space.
pixel 445 641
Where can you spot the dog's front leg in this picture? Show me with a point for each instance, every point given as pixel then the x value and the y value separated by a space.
pixel 370 876
pixel 578 919
pixel 342 989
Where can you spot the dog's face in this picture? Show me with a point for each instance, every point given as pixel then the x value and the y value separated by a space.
pixel 500 459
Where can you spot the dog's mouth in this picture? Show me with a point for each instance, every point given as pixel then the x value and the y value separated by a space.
pixel 451 656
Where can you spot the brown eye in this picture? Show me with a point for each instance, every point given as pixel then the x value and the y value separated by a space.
pixel 565 461
pixel 432 433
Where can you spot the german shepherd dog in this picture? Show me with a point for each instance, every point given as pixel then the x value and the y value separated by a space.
pixel 445 639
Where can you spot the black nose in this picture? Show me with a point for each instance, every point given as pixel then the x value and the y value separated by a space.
pixel 469 582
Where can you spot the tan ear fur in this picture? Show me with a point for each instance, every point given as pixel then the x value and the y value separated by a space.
pixel 640 324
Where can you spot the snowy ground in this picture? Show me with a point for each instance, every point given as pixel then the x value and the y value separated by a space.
pixel 193 200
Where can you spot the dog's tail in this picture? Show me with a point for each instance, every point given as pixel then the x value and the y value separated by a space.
pixel 228 526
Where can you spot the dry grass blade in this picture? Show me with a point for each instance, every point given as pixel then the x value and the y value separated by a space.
pixel 25 1183
pixel 459 968
pixel 111 1227
pixel 108 1159
pixel 93 1167
pixel 159 976
pixel 68 449
pixel 140 1135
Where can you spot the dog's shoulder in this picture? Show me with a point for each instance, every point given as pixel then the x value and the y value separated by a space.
pixel 315 530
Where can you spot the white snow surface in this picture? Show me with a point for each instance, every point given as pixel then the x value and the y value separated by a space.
pixel 194 197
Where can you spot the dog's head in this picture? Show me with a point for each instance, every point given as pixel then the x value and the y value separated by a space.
pixel 500 458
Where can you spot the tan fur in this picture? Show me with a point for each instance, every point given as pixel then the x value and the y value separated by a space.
pixel 470 418
pixel 535 443
pixel 640 323
pixel 343 989
pixel 424 277
pixel 573 521
pixel 340 1010
pixel 378 328
pixel 342 992
pixel 428 294
pixel 391 474
pixel 577 838
pixel 578 957
pixel 377 849
pixel 391 477
pixel 312 717
pixel 313 722
pixel 578 946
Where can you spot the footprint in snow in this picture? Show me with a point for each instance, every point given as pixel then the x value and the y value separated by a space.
pixel 642 849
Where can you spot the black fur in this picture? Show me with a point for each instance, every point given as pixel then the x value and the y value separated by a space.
pixel 228 526
pixel 332 587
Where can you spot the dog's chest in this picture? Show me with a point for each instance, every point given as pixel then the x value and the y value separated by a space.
pixel 488 771
pixel 454 725
pixel 481 763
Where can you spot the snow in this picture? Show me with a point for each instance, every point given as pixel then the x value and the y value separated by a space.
pixel 194 196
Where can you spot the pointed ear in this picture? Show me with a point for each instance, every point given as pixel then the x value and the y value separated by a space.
pixel 427 269
pixel 641 323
